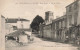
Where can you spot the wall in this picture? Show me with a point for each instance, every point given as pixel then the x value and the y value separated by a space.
pixel 19 24
pixel 55 30
pixel 72 11
pixel 2 33
pixel 23 24
pixel 47 31
pixel 78 21
pixel 9 28
pixel 26 24
pixel 73 18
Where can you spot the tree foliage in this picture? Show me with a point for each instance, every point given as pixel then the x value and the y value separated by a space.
pixel 36 22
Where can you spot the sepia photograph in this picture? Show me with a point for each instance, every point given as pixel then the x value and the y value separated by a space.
pixel 39 24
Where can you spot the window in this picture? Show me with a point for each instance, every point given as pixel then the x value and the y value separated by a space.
pixel 75 5
pixel 70 9
pixel 63 24
pixel 75 18
pixel 70 19
pixel 55 25
pixel 60 24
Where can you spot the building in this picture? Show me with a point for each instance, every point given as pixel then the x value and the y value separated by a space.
pixel 59 28
pixel 47 31
pixel 41 30
pixel 66 27
pixel 73 19
pixel 13 24
pixel 54 29
pixel 47 27
pixel 48 17
pixel 72 12
pixel 2 32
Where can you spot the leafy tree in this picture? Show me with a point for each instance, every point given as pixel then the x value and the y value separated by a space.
pixel 36 22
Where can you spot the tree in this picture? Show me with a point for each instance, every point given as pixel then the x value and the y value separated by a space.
pixel 36 22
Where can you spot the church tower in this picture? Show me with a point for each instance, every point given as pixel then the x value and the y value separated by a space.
pixel 49 16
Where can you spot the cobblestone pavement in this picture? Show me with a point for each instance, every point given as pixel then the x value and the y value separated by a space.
pixel 39 44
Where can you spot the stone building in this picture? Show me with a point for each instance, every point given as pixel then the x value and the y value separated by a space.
pixel 47 31
pixel 73 19
pixel 59 28
pixel 55 30
pixel 47 27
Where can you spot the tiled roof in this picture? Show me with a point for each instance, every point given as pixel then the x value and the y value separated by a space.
pixel 11 20
pixel 14 20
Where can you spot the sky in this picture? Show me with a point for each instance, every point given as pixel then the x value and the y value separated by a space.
pixel 28 9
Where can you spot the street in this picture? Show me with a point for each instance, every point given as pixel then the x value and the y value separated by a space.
pixel 39 44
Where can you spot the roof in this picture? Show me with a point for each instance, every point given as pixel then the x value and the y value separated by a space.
pixel 59 18
pixel 72 3
pixel 48 11
pixel 11 20
pixel 14 20
pixel 2 16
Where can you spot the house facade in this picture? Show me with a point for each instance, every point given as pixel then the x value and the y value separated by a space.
pixel 13 24
pixel 73 19
pixel 47 31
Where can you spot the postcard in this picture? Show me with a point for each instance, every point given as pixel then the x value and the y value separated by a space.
pixel 39 24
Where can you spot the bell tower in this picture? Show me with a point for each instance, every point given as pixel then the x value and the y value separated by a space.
pixel 49 16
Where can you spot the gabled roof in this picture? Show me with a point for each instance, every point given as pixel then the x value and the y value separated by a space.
pixel 14 20
pixel 72 3
pixel 2 16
